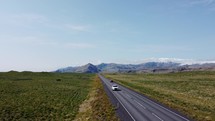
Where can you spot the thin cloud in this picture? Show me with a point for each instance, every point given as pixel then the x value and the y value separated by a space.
pixel 65 45
pixel 30 17
pixel 79 45
pixel 201 2
pixel 208 5
pixel 23 19
pixel 45 42
pixel 78 28
pixel 160 48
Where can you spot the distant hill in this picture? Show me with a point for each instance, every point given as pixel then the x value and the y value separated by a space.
pixel 149 67
pixel 89 68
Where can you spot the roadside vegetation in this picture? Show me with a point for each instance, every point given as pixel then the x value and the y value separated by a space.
pixel 29 96
pixel 192 93
pixel 97 107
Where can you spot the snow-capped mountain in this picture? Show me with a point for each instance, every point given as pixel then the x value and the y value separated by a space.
pixel 148 65
pixel 174 60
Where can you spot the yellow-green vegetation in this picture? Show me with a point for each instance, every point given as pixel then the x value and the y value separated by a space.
pixel 192 93
pixel 97 107
pixel 42 96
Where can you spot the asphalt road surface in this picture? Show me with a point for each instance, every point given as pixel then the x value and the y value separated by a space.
pixel 132 106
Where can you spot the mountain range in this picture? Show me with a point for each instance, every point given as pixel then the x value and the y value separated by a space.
pixel 148 67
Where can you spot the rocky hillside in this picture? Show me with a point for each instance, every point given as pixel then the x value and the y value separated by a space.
pixel 149 67
pixel 89 68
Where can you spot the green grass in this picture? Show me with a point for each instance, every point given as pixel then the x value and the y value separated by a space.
pixel 102 109
pixel 42 96
pixel 98 106
pixel 192 93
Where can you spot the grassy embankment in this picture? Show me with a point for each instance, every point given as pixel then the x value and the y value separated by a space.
pixel 97 107
pixel 42 96
pixel 192 93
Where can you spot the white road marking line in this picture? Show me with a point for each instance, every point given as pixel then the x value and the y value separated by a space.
pixel 157 117
pixel 140 104
pixel 128 95
pixel 171 111
pixel 162 107
pixel 122 104
pixel 140 96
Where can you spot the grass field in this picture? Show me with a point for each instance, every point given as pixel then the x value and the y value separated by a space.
pixel 97 107
pixel 192 93
pixel 42 96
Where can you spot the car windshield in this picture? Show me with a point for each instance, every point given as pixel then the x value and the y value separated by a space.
pixel 114 85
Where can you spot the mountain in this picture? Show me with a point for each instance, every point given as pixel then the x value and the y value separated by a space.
pixel 148 67
pixel 88 68
pixel 112 68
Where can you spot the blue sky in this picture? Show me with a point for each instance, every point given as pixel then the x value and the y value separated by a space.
pixel 43 35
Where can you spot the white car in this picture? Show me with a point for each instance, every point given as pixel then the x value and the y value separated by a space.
pixel 115 87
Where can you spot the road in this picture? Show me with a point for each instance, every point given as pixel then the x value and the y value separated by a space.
pixel 137 107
